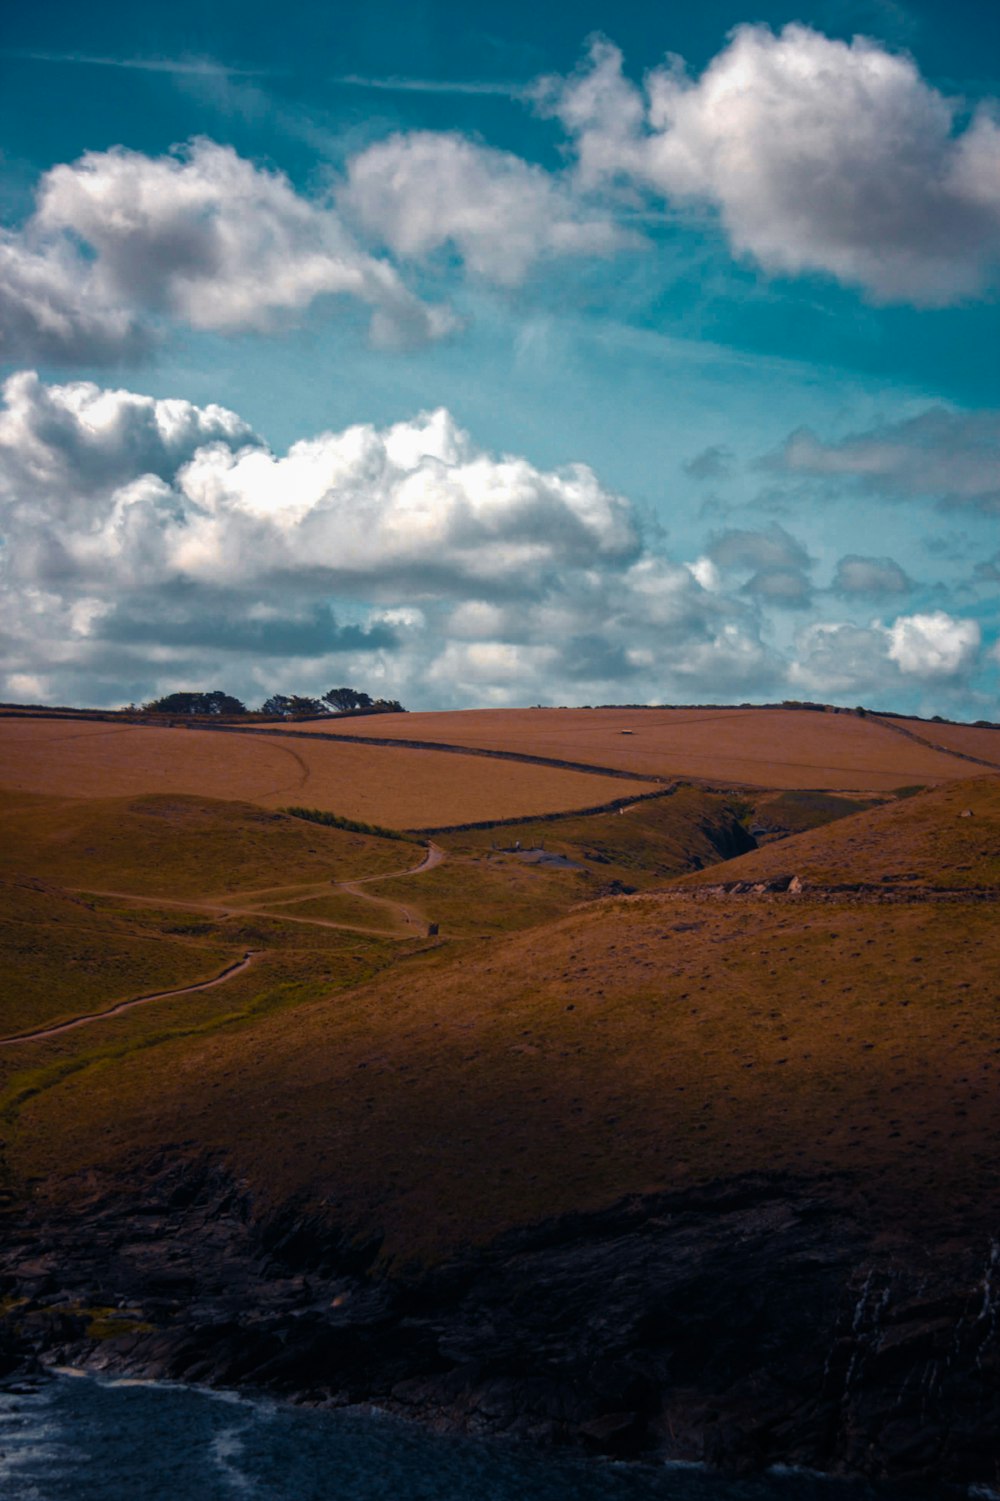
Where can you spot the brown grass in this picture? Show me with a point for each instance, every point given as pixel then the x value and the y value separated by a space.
pixel 373 784
pixel 649 1042
pixel 760 747
pixel 633 1047
pixel 179 845
pixel 971 740
pixel 922 842
pixel 62 957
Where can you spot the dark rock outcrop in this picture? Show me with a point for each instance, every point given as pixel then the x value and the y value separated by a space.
pixel 743 1324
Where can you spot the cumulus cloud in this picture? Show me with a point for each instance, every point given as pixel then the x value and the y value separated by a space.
pixel 50 308
pixel 856 575
pixel 112 483
pixel 421 191
pixel 146 544
pixel 149 544
pixel 950 457
pixel 935 645
pixel 835 658
pixel 202 236
pixel 818 156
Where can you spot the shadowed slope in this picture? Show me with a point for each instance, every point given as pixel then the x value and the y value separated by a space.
pixel 651 1042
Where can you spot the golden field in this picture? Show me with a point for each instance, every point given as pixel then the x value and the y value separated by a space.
pixel 398 788
pixel 771 748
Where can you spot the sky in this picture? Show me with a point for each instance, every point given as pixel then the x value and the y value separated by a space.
pixel 524 355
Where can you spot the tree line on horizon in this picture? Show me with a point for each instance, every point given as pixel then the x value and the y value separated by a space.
pixel 279 706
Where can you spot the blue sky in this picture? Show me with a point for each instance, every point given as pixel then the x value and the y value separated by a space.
pixel 563 354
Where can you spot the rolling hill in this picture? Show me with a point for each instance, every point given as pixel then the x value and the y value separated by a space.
pixel 603 1127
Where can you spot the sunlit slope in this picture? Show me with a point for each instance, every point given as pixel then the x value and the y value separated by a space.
pixel 62 956
pixel 978 741
pixel 756 747
pixel 640 1043
pixel 397 788
pixel 946 838
pixel 176 845
pixel 74 941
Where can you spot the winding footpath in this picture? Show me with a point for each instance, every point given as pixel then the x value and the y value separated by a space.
pixel 404 915
pixel 228 973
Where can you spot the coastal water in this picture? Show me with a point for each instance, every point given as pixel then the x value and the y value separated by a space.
pixel 78 1439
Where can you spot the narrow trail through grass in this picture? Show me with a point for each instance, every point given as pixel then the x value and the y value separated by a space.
pixel 228 973
pixel 406 917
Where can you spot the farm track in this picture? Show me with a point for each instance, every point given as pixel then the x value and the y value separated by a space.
pixel 406 918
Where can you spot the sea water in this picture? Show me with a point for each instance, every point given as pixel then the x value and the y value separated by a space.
pixel 80 1439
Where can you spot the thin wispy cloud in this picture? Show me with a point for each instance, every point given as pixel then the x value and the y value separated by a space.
pixel 184 65
pixel 499 89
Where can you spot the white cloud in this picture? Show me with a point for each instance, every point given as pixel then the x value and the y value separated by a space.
pixel 202 236
pixel 51 309
pixel 935 645
pixel 705 571
pixel 818 156
pixel 425 190
pixel 100 482
pixel 144 540
pixel 147 543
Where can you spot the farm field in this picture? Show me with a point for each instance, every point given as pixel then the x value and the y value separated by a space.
pixel 969 739
pixel 398 788
pixel 774 748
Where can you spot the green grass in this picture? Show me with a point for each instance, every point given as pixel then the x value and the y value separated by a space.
pixel 175 845
pixel 61 958
pixel 352 825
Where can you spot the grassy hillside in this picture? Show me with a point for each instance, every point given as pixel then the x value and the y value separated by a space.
pixel 177 845
pixel 947 838
pixel 629 1044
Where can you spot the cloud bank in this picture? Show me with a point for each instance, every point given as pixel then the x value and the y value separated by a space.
pixel 152 544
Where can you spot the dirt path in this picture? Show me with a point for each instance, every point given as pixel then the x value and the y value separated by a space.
pixel 433 857
pixel 405 917
pixel 307 892
pixel 140 1000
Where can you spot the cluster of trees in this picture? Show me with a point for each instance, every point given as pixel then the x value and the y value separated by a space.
pixel 279 705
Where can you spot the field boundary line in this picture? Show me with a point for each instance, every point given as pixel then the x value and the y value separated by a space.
pixel 502 823
pixel 432 745
pixel 944 750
